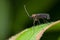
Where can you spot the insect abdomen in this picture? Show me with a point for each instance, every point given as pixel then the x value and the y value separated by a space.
pixel 43 16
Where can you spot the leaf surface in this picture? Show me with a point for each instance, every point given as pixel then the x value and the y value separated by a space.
pixel 35 32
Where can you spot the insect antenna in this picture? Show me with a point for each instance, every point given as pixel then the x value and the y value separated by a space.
pixel 26 10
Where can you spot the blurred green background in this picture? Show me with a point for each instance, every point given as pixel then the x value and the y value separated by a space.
pixel 14 19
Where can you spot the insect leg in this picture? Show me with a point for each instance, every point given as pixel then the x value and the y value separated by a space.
pixel 38 21
pixel 34 23
pixel 45 21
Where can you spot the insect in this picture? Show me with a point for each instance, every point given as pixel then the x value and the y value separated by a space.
pixel 36 17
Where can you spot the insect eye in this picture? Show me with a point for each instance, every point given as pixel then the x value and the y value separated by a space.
pixel 35 16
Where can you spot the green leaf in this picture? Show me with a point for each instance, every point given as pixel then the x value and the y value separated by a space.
pixel 35 32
